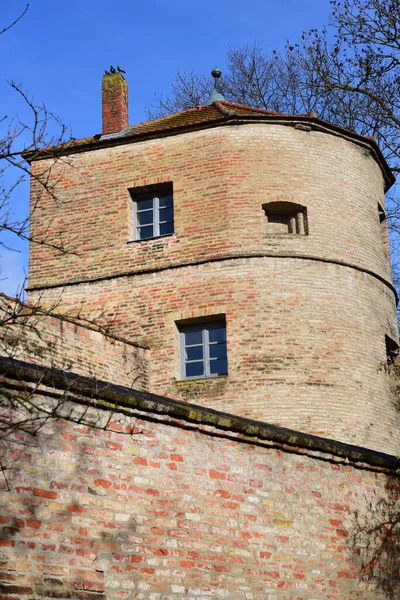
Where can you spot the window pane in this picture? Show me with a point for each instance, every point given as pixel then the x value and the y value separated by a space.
pixel 165 202
pixel 195 369
pixel 217 334
pixel 194 353
pixel 144 204
pixel 145 218
pixel 166 214
pixel 193 338
pixel 145 232
pixel 166 228
pixel 218 351
pixel 218 367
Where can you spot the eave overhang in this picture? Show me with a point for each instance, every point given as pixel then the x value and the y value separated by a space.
pixel 229 119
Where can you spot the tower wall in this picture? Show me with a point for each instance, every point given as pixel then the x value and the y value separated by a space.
pixel 306 315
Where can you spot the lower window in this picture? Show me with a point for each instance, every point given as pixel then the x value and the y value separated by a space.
pixel 384 231
pixel 203 350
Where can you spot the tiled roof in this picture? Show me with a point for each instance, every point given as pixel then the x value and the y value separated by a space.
pixel 192 117
pixel 197 115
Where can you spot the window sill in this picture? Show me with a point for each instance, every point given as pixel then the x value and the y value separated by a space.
pixel 200 379
pixel 152 239
pixel 286 235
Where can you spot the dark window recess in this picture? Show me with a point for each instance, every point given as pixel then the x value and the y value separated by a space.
pixel 392 350
pixel 285 217
pixel 203 350
pixel 383 231
pixel 153 211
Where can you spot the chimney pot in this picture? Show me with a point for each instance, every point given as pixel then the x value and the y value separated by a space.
pixel 114 103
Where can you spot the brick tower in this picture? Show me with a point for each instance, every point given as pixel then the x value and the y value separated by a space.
pixel 247 249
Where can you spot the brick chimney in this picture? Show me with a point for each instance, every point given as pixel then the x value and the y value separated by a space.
pixel 114 103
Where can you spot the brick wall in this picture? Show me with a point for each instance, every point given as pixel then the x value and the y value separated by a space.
pixel 303 338
pixel 221 179
pixel 306 315
pixel 183 510
pixel 52 342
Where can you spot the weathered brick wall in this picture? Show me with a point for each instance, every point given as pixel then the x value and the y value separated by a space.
pixel 305 335
pixel 183 512
pixel 221 178
pixel 52 342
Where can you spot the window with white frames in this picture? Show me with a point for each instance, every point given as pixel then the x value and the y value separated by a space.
pixel 153 211
pixel 203 350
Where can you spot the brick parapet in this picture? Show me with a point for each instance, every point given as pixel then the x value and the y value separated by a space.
pixel 138 403
pixel 57 341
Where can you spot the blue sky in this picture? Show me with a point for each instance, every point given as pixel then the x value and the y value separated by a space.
pixel 59 51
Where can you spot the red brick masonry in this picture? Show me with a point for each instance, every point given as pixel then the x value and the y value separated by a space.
pixel 193 504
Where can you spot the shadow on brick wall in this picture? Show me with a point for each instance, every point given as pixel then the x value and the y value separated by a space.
pixel 60 537
pixel 376 540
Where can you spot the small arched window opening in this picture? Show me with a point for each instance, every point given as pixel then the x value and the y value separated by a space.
pixel 383 231
pixel 285 217
pixel 392 350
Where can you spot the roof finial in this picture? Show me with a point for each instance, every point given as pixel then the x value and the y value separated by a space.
pixel 216 94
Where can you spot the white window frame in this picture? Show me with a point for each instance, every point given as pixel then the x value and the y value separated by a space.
pixel 205 330
pixel 155 198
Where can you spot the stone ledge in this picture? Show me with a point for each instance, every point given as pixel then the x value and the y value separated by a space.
pixel 229 257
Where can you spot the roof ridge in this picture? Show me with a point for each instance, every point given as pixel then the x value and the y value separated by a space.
pixel 247 107
pixel 220 106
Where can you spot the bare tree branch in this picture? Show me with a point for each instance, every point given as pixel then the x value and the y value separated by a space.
pixel 16 20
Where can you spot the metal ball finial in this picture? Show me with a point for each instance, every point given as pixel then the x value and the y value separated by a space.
pixel 216 94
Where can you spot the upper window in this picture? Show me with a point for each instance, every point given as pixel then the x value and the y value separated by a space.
pixel 285 217
pixel 203 350
pixel 153 211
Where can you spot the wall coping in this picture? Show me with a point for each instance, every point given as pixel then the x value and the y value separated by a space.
pixel 17 374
